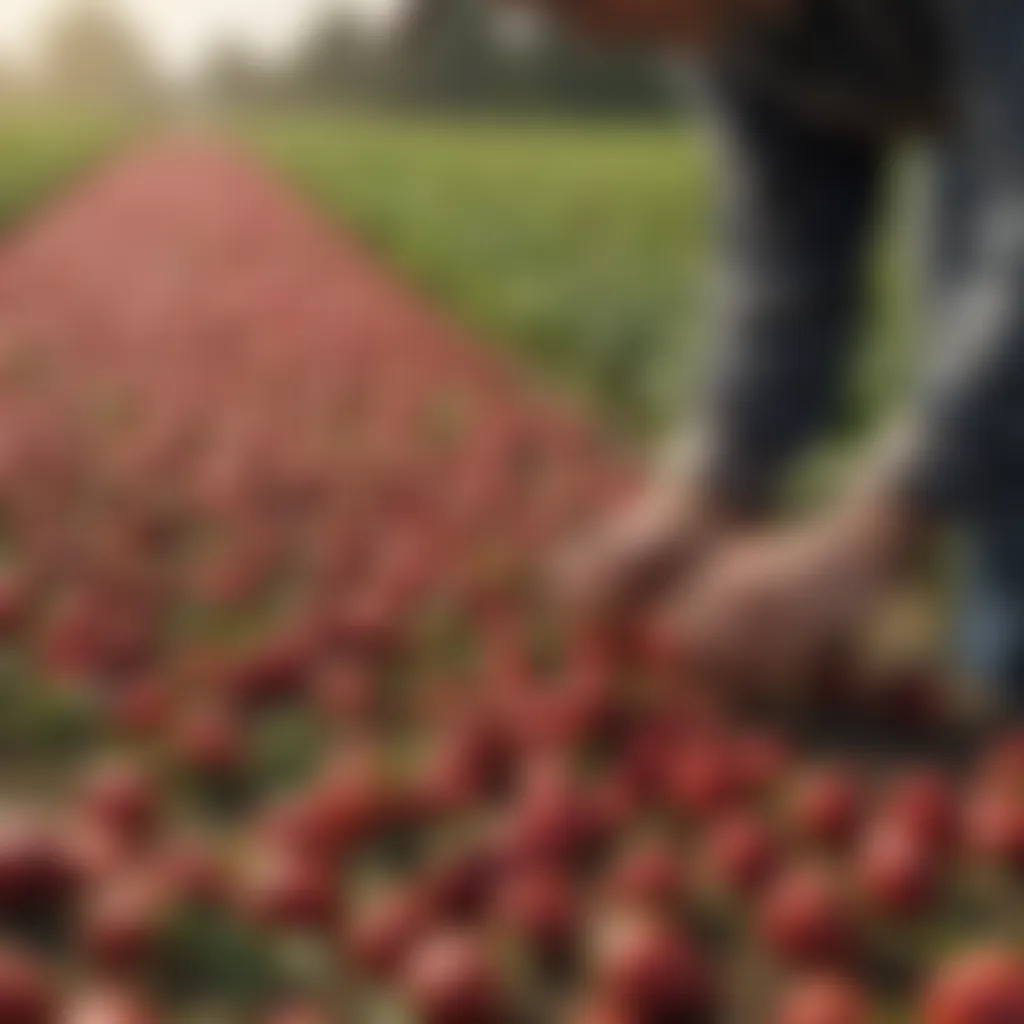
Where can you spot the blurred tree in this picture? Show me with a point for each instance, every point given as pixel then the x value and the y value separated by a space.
pixel 444 54
pixel 342 59
pixel 584 76
pixel 471 53
pixel 92 54
pixel 234 75
pixel 448 53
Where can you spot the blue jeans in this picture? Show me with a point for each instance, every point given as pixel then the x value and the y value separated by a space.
pixel 803 192
pixel 991 635
pixel 977 273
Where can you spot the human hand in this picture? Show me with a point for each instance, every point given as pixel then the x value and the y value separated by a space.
pixel 642 551
pixel 771 608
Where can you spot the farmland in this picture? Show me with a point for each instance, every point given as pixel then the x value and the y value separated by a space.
pixel 292 732
pixel 44 150
pixel 585 249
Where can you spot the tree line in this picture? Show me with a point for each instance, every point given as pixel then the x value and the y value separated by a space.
pixel 466 55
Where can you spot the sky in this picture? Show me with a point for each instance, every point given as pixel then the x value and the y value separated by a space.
pixel 180 32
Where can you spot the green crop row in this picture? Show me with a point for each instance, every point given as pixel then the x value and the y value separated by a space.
pixel 587 249
pixel 44 150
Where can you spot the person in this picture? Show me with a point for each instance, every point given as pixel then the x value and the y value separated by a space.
pixel 813 100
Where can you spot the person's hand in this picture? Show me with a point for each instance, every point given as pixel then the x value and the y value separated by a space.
pixel 642 552
pixel 771 608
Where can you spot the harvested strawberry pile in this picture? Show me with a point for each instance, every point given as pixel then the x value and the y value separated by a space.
pixel 288 734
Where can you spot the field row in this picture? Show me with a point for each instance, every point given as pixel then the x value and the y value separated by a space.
pixel 586 249
pixel 293 734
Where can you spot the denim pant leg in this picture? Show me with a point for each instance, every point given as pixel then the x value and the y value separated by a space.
pixel 992 611
pixel 978 284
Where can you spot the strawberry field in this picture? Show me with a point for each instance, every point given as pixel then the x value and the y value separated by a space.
pixel 45 149
pixel 290 732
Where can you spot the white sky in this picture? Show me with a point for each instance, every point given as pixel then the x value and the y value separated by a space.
pixel 180 32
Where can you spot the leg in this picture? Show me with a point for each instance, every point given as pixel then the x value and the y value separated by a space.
pixel 992 611
pixel 979 282
pixel 801 199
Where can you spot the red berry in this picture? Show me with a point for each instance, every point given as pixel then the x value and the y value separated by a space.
pixel 121 797
pixel 741 854
pixel 449 979
pixel 983 987
pixel 193 873
pixel 761 761
pixel 647 873
pixel 142 708
pixel 805 919
pixel 824 1000
pixel 602 1011
pixel 995 828
pixel 537 904
pixel 383 931
pixel 897 872
pixel 122 922
pixel 25 991
pixel 209 742
pixel 703 780
pixel 286 891
pixel 36 871
pixel 923 802
pixel 641 963
pixel 299 1013
pixel 109 1006
pixel 826 808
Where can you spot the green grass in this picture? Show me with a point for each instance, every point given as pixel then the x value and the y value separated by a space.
pixel 44 150
pixel 583 248
pixel 586 249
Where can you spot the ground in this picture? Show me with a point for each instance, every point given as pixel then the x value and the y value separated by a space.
pixel 289 715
